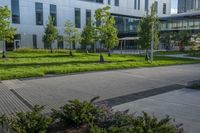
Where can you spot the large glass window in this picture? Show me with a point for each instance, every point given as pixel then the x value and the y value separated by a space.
pixel 77 13
pixel 116 2
pixel 53 14
pixel 88 17
pixel 164 8
pixel 39 13
pixel 146 5
pixel 15 11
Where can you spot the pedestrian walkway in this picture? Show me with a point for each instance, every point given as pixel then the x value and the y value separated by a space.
pixel 182 104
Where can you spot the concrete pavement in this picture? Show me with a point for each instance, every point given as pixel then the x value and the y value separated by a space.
pixel 54 92
pixel 183 105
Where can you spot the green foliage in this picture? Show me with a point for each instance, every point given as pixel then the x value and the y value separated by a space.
pixel 106 31
pixel 27 122
pixel 77 112
pixel 71 34
pixel 145 29
pixel 122 122
pixel 183 37
pixel 6 31
pixel 51 33
pixel 88 35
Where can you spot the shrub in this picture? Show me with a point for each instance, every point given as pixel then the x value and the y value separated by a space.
pixel 77 112
pixel 28 122
pixel 25 50
pixel 119 122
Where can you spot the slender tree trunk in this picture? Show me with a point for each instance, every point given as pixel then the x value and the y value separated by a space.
pixel 4 50
pixel 101 56
pixel 70 51
pixel 109 53
pixel 147 55
pixel 51 49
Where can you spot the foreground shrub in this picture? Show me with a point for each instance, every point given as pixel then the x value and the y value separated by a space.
pixel 86 117
pixel 122 122
pixel 28 122
pixel 77 112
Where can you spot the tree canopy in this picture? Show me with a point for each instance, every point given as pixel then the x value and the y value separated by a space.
pixel 51 33
pixel 106 30
pixel 145 29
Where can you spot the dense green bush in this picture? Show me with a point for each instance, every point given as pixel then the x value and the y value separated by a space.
pixel 122 122
pixel 86 117
pixel 28 122
pixel 77 112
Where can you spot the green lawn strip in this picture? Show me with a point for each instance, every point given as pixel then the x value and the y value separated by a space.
pixel 24 65
pixel 176 52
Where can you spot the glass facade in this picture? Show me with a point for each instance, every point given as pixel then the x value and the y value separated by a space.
pixel 53 13
pixel 88 17
pixel 15 11
pixel 39 13
pixel 126 24
pixel 77 13
pixel 180 24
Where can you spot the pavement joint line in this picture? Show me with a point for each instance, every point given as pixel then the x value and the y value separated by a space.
pixel 22 99
pixel 111 102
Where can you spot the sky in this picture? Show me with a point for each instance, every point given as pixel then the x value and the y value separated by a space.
pixel 174 6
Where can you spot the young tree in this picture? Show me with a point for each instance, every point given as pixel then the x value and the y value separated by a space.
pixel 6 31
pixel 88 35
pixel 51 33
pixel 106 31
pixel 147 24
pixel 71 34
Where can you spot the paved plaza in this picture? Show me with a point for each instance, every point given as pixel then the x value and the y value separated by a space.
pixel 156 89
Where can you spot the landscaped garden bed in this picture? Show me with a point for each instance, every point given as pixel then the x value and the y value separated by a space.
pixel 86 117
pixel 24 64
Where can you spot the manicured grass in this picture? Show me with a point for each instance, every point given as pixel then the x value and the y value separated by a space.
pixel 177 52
pixel 34 64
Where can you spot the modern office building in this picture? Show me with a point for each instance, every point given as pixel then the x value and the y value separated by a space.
pixel 30 17
pixel 188 5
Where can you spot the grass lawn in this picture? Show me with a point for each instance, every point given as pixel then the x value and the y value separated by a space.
pixel 190 52
pixel 35 64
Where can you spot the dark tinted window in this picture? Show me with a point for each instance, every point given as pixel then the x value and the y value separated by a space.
pixel 77 17
pixel 164 8
pixel 146 5
pixel 88 17
pixel 53 14
pixel 34 41
pixel 15 11
pixel 116 2
pixel 39 13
